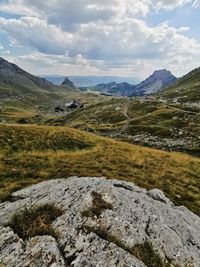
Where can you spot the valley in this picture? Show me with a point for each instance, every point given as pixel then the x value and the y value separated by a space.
pixel 144 121
pixel 43 136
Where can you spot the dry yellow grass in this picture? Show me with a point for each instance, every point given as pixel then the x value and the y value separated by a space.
pixel 31 153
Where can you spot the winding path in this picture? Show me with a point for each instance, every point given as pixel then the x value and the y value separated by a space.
pixel 125 113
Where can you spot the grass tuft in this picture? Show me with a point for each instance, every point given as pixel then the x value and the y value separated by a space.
pixel 98 206
pixel 35 221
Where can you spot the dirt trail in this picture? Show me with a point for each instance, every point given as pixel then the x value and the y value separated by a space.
pixel 125 113
pixel 185 111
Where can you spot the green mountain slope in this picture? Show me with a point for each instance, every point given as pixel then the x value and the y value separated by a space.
pixel 186 89
pixel 15 83
pixel 24 95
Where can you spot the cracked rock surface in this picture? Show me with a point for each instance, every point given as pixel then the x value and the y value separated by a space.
pixel 104 223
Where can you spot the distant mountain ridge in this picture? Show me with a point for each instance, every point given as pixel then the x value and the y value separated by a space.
pixel 89 81
pixel 113 88
pixel 155 82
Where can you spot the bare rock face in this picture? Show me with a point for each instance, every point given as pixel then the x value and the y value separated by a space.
pixel 159 79
pixel 104 223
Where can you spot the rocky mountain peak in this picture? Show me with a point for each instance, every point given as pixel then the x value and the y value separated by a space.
pixel 98 222
pixel 158 80
pixel 68 82
pixel 161 74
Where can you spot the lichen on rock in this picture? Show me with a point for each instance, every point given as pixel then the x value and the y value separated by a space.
pixel 104 223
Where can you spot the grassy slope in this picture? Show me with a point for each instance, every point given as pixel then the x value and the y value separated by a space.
pixel 30 154
pixel 155 118
pixel 186 89
pixel 101 117
pixel 30 102
pixel 165 121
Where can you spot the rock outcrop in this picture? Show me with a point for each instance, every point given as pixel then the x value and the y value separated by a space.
pixel 68 82
pixel 104 223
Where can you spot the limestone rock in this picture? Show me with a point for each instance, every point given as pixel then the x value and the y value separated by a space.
pixel 105 223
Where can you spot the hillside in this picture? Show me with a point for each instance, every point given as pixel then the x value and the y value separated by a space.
pixel 17 84
pixel 30 154
pixel 167 120
pixel 26 97
pixel 12 74
pixel 146 121
pixel 186 90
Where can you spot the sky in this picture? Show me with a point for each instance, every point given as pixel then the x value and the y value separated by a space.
pixel 126 38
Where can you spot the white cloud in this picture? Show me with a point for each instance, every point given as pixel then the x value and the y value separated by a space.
pixel 196 3
pixel 99 36
pixel 36 33
pixel 67 12
pixel 114 40
pixel 19 7
pixel 169 4
pixel 115 47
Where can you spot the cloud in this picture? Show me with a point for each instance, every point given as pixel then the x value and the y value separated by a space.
pixel 115 47
pixel 18 7
pixel 196 3
pixel 36 33
pixel 68 12
pixel 99 36
pixel 169 4
pixel 115 40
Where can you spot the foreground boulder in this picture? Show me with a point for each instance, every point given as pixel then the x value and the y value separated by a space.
pixel 104 223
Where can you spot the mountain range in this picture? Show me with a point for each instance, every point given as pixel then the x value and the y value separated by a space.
pixel 155 82
pixel 167 120
pixel 90 81
pixel 14 81
pixel 113 88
